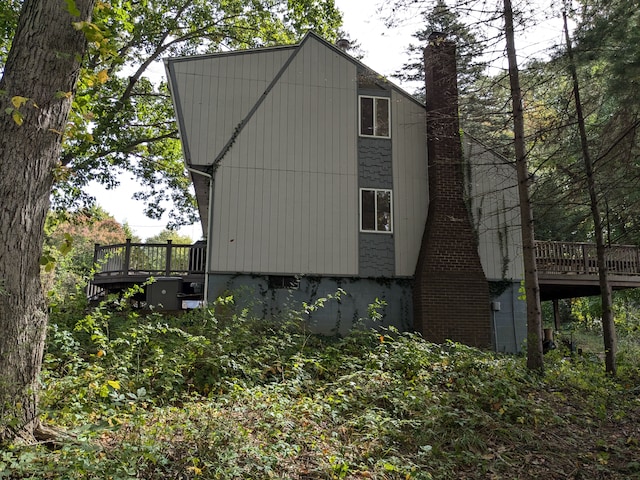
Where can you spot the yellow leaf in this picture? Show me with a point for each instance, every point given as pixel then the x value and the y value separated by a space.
pixel 18 101
pixel 115 384
pixel 101 353
pixel 103 76
pixel 17 117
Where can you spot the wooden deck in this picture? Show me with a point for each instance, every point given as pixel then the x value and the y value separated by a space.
pixel 123 265
pixel 565 269
pixel 569 269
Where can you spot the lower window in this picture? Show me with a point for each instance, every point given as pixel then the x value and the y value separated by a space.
pixel 283 281
pixel 375 210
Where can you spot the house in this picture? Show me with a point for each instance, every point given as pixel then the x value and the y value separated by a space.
pixel 313 173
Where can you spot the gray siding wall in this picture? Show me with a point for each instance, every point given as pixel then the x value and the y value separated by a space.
pixel 286 196
pixel 286 193
pixel 410 183
pixel 492 189
pixel 214 93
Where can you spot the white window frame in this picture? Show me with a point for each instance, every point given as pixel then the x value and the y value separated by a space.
pixel 375 117
pixel 376 190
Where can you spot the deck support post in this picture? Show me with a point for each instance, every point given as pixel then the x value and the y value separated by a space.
pixel 556 314
pixel 127 257
pixel 167 262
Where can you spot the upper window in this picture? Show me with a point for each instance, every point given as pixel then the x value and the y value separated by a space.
pixel 375 210
pixel 375 117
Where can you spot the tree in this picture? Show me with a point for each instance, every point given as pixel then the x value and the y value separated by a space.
pixel 468 48
pixel 607 62
pixel 605 287
pixel 9 11
pixel 505 12
pixel 532 289
pixel 35 93
pixel 593 161
pixel 120 120
pixel 172 235
pixel 482 96
pixel 123 119
pixel 70 239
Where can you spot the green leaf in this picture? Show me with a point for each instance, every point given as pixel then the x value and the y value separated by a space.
pixel 17 117
pixel 72 8
pixel 46 259
pixel 67 244
pixel 18 101
pixel 389 467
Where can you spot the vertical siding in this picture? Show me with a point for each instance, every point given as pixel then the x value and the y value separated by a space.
pixel 410 184
pixel 216 93
pixel 495 212
pixel 286 193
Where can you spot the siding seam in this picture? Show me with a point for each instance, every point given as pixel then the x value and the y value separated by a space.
pixel 253 110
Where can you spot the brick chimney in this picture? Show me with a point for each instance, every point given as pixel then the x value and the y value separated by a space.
pixel 451 293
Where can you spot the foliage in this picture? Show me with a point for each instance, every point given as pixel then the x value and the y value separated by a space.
pixel 70 238
pixel 587 312
pixel 123 119
pixel 468 48
pixel 607 61
pixel 217 394
pixel 172 235
pixel 9 11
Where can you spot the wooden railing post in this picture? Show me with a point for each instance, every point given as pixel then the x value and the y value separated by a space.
pixel 96 247
pixel 127 257
pixel 585 258
pixel 168 259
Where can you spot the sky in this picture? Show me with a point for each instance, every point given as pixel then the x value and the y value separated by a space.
pixel 384 50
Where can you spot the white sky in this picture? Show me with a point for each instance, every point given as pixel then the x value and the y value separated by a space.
pixel 384 51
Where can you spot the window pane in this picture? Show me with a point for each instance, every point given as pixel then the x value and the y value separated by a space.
pixel 384 210
pixel 368 212
pixel 382 117
pixel 366 116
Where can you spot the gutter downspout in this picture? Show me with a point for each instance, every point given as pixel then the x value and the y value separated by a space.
pixel 186 156
pixel 208 247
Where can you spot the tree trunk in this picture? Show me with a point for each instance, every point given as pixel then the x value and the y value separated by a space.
pixel 532 288
pixel 39 76
pixel 608 326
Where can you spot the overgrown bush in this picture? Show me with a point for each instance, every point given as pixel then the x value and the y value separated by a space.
pixel 217 394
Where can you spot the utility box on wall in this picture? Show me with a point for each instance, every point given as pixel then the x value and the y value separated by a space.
pixel 163 293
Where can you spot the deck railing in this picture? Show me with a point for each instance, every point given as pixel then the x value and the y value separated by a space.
pixel 152 259
pixel 581 258
pixel 168 259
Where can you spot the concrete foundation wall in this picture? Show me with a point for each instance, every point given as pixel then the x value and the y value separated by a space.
pixel 337 316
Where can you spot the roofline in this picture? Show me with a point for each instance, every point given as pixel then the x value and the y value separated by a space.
pixel 309 34
pixel 504 159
